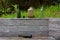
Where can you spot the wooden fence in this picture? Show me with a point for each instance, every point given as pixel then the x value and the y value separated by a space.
pixel 26 27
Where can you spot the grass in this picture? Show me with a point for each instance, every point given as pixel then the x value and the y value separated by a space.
pixel 49 12
pixel 52 12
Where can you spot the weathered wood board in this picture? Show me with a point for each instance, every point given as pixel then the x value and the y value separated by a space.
pixel 54 27
pixel 15 27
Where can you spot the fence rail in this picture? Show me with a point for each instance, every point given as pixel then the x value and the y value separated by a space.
pixel 36 27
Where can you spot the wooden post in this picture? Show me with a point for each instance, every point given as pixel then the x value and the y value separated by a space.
pixel 31 13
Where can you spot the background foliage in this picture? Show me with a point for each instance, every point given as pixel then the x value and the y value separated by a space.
pixel 10 7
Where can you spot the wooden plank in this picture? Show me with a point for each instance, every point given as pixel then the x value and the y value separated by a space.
pixel 15 27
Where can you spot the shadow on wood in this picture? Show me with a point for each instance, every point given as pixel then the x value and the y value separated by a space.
pixel 25 36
